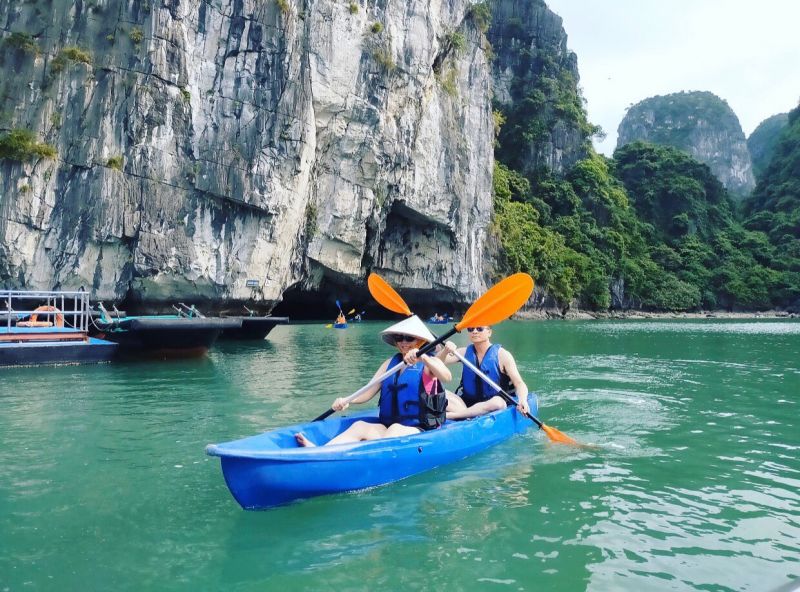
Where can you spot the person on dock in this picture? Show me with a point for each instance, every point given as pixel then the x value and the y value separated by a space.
pixel 412 400
pixel 477 397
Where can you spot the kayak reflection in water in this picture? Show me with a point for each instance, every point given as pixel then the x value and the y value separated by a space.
pixel 477 397
pixel 412 400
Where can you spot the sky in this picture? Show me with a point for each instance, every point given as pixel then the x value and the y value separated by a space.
pixel 745 52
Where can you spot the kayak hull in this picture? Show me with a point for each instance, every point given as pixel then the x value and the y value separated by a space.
pixel 165 336
pixel 252 328
pixel 270 469
pixel 340 325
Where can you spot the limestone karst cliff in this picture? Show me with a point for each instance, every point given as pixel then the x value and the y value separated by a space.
pixel 699 123
pixel 761 143
pixel 536 88
pixel 203 144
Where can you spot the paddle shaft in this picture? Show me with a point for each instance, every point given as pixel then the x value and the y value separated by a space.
pixel 363 389
pixel 378 379
pixel 494 385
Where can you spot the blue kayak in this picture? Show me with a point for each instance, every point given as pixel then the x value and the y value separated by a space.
pixel 271 469
pixel 340 325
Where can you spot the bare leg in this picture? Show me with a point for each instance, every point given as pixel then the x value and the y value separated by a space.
pixel 482 408
pixel 358 432
pixel 454 402
pixel 398 429
pixel 361 431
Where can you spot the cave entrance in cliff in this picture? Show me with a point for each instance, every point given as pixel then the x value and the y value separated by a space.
pixel 319 304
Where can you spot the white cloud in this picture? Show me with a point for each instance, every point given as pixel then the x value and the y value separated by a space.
pixel 745 52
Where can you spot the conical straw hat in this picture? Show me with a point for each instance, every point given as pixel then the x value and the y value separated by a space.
pixel 411 326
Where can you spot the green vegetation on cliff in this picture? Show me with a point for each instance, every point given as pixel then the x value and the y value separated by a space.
pixel 21 42
pixel 70 55
pixel 779 188
pixel 774 207
pixel 671 191
pixel 537 91
pixel 700 123
pixel 23 145
pixel 671 118
pixel 693 231
pixel 763 140
pixel 651 228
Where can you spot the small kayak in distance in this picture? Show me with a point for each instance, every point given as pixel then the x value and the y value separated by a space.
pixel 270 469
pixel 441 321
pixel 340 325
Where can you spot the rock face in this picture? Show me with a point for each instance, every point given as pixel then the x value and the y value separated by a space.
pixel 762 141
pixel 536 88
pixel 699 123
pixel 203 144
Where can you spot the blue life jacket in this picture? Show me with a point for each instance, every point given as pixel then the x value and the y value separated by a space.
pixel 474 388
pixel 404 400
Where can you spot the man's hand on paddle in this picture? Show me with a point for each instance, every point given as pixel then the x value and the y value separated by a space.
pixel 509 366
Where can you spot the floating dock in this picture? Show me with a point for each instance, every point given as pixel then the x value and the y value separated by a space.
pixel 48 327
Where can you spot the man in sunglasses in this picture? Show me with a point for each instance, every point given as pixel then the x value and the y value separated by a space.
pixel 477 397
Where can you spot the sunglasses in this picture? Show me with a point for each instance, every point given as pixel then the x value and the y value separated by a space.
pixel 473 329
pixel 406 338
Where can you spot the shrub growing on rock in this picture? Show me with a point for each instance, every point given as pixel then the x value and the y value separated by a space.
pixel 22 145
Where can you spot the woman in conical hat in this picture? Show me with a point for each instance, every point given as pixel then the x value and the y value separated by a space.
pixel 412 400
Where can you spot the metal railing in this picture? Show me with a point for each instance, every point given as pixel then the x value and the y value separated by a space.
pixel 19 305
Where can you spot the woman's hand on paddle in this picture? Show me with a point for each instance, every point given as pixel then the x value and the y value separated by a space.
pixel 340 404
pixel 522 405
pixel 411 357
pixel 450 347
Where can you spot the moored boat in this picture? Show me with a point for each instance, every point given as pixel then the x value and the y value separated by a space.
pixel 53 333
pixel 270 469
pixel 163 335
pixel 253 327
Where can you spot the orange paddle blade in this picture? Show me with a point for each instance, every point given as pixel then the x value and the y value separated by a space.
pixel 386 296
pixel 557 436
pixel 499 303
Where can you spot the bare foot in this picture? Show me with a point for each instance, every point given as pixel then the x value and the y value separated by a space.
pixel 303 441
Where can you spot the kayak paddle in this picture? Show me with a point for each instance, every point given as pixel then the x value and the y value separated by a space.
pixel 499 303
pixel 389 298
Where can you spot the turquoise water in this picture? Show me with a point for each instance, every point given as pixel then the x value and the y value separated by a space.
pixel 104 483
